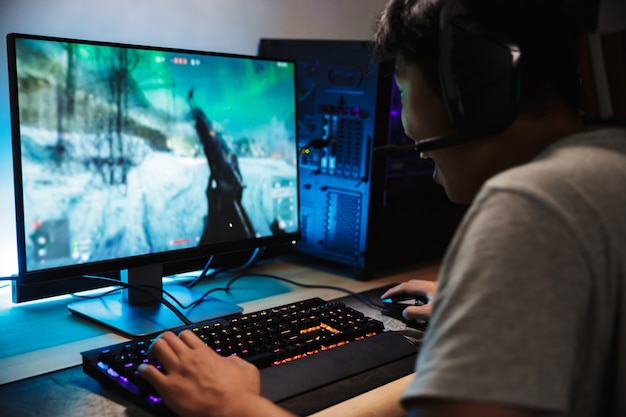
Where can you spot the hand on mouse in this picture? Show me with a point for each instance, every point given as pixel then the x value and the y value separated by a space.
pixel 415 288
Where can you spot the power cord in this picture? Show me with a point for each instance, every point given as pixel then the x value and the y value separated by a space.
pixel 256 254
pixel 152 290
pixel 229 284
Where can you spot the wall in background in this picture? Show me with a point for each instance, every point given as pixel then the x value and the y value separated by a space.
pixel 216 25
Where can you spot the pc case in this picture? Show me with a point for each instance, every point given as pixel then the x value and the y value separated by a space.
pixel 360 206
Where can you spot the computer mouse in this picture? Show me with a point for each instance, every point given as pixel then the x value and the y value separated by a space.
pixel 393 307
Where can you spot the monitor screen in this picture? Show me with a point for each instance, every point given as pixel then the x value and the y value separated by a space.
pixel 128 156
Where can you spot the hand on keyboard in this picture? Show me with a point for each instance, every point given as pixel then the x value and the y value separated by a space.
pixel 196 381
pixel 298 348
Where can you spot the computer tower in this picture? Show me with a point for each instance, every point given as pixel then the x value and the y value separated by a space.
pixel 359 205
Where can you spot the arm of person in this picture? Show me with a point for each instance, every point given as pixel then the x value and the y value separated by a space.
pixel 447 408
pixel 509 316
pixel 198 382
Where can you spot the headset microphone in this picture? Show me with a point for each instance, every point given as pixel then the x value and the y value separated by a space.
pixel 437 142
pixel 424 145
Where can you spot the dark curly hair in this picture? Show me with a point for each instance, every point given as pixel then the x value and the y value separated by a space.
pixel 547 32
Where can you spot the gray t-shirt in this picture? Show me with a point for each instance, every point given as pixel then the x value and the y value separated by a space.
pixel 531 304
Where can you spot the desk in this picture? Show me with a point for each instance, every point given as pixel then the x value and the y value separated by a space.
pixel 43 337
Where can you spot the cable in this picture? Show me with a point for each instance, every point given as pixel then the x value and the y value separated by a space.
pixel 204 270
pixel 358 296
pixel 144 289
pixel 203 273
pixel 104 294
pixel 317 143
pixel 229 284
pixel 258 252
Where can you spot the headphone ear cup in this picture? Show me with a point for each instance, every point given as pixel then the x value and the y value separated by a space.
pixel 479 73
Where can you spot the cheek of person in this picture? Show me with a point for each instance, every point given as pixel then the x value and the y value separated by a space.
pixel 458 168
pixel 424 116
pixel 423 112
pixel 455 172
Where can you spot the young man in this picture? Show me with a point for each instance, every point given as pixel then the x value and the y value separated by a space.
pixel 527 317
pixel 529 312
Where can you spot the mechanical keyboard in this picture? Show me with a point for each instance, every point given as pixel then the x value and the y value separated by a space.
pixel 298 347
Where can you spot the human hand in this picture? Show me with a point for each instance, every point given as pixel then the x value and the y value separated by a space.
pixel 199 382
pixel 416 288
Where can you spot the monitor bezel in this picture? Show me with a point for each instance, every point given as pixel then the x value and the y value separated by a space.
pixel 173 261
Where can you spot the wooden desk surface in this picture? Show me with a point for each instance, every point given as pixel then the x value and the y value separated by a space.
pixel 41 337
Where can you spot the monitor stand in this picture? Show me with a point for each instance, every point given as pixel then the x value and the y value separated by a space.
pixel 133 313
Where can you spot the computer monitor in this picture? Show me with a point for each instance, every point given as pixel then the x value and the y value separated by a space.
pixel 129 159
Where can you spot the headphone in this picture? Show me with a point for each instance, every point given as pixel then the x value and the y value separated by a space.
pixel 479 71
